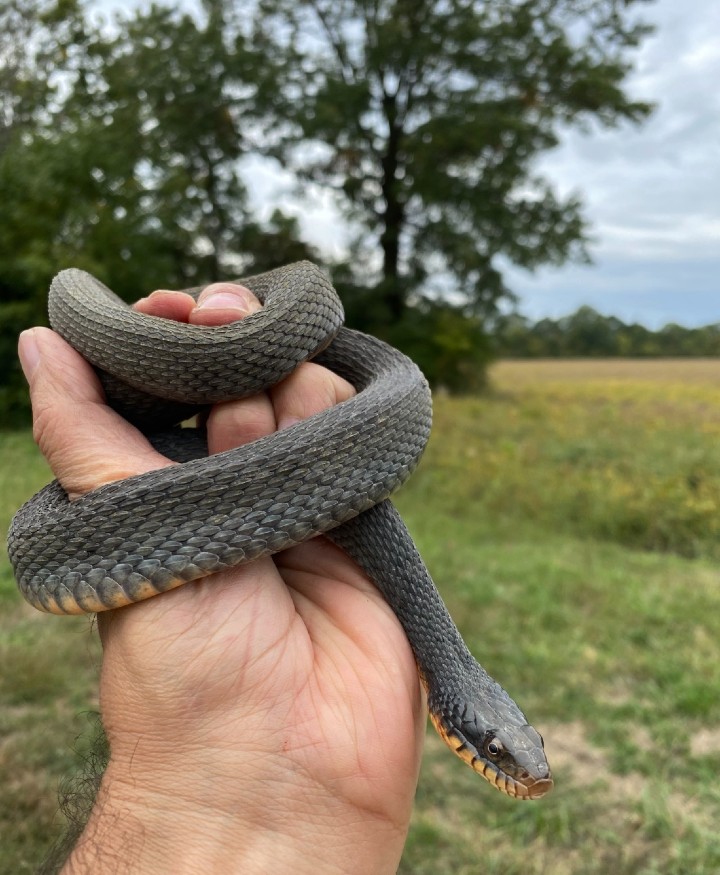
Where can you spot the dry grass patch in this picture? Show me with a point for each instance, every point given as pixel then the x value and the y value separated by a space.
pixel 512 373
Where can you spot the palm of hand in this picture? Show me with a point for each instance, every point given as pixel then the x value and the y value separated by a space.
pixel 298 665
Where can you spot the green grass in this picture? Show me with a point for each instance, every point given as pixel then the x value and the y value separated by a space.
pixel 48 682
pixel 570 519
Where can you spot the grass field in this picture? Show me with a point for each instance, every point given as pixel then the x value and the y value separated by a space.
pixel 570 518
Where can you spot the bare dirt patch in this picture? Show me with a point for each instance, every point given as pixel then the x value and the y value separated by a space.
pixel 705 742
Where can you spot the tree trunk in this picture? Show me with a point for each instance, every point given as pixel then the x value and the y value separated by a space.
pixel 393 217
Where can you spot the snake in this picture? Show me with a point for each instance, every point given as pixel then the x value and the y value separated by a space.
pixel 331 474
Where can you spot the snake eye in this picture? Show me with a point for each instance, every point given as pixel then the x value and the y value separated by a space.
pixel 494 747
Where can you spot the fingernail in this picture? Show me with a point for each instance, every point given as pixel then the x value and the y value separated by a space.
pixel 287 421
pixel 240 299
pixel 28 352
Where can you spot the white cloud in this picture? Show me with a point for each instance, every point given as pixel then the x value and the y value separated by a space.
pixel 652 192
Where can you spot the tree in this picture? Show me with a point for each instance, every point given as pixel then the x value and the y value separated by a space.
pixel 588 333
pixel 34 36
pixel 133 172
pixel 121 149
pixel 35 40
pixel 129 167
pixel 162 106
pixel 425 118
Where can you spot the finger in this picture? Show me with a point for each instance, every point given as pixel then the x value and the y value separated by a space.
pixel 86 443
pixel 217 304
pixel 229 424
pixel 310 389
pixel 167 304
pixel 221 303
pixel 236 423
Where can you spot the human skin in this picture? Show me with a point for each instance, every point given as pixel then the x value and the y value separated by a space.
pixel 264 719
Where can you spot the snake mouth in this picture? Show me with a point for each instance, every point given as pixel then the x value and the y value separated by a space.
pixel 533 789
pixel 522 785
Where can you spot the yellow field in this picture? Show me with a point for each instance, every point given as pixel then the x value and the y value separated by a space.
pixel 514 372
pixel 571 518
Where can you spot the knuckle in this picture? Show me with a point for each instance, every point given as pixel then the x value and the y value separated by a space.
pixel 309 390
pixel 234 423
pixel 45 426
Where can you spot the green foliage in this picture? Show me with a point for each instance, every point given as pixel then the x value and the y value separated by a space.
pixel 131 172
pixel 14 401
pixel 163 88
pixel 34 39
pixel 451 348
pixel 449 344
pixel 588 333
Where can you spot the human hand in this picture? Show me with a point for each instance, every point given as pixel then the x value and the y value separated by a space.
pixel 267 718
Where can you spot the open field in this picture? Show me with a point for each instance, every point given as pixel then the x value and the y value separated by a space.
pixel 679 370
pixel 571 519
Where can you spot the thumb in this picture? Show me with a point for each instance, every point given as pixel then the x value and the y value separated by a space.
pixel 85 442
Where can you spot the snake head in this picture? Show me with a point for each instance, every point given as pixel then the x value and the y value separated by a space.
pixel 507 752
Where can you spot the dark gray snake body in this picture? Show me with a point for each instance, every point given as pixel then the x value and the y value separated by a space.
pixel 330 474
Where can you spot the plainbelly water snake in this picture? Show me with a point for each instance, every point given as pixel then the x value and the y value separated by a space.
pixel 331 474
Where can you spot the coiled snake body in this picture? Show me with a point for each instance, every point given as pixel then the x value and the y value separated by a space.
pixel 330 474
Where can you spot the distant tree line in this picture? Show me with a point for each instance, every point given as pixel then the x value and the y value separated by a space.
pixel 587 333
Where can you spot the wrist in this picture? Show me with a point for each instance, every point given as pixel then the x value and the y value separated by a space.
pixel 179 823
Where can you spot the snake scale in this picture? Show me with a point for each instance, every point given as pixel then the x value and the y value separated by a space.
pixel 331 474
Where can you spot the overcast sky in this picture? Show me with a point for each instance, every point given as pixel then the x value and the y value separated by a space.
pixel 652 193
